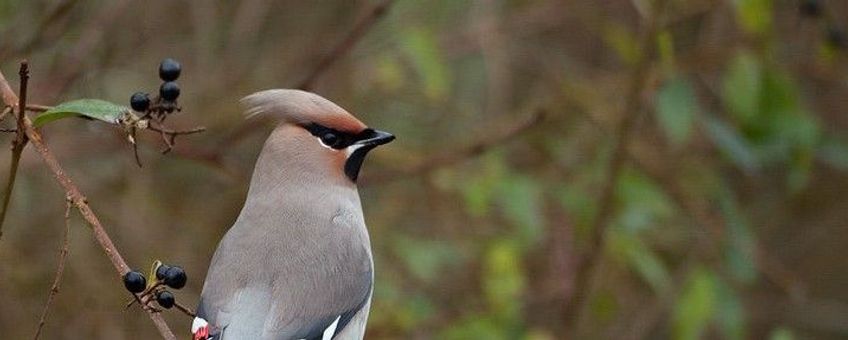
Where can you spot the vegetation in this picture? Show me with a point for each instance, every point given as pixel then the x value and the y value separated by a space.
pixel 564 169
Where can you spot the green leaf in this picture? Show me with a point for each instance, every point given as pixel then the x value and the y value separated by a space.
pixel 644 204
pixel 521 200
pixel 742 86
pixel 422 48
pixel 623 41
pixel 92 108
pixel 781 333
pixel 641 259
pixel 732 145
pixel 730 313
pixel 503 279
pixel 676 110
pixel 754 15
pixel 696 306
pixel 739 252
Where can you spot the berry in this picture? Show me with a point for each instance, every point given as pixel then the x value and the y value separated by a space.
pixel 169 69
pixel 161 270
pixel 165 299
pixel 140 102
pixel 134 282
pixel 169 91
pixel 810 8
pixel 175 277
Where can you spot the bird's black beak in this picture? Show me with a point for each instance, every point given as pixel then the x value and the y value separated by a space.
pixel 372 138
pixel 365 141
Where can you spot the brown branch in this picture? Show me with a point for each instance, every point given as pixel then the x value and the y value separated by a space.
pixel 60 269
pixel 360 29
pixel 46 25
pixel 438 161
pixel 185 310
pixel 341 49
pixel 79 201
pixel 37 107
pixel 17 144
pixel 170 136
pixel 606 205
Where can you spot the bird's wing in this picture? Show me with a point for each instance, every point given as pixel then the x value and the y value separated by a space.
pixel 266 288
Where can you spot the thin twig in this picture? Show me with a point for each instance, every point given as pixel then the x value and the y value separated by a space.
pixel 40 32
pixel 60 269
pixel 185 310
pixel 457 155
pixel 81 204
pixel 170 136
pixel 17 144
pixel 606 206
pixel 37 107
pixel 6 111
pixel 355 35
pixel 359 30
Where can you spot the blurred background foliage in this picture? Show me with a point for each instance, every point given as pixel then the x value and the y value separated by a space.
pixel 726 218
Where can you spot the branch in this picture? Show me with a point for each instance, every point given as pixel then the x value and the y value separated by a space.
pixel 360 29
pixel 605 211
pixel 63 255
pixel 79 201
pixel 169 136
pixel 17 144
pixel 438 161
pixel 341 49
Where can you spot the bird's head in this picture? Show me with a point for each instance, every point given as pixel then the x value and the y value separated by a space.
pixel 319 133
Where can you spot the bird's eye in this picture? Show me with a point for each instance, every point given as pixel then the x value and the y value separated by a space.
pixel 330 139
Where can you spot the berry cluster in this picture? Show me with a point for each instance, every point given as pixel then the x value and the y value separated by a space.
pixel 166 102
pixel 166 275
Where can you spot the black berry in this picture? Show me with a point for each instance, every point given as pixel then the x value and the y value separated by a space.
pixel 175 277
pixel 165 299
pixel 160 272
pixel 134 282
pixel 810 8
pixel 140 102
pixel 169 69
pixel 169 91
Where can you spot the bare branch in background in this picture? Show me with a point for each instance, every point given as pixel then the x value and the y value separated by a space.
pixel 17 144
pixel 48 27
pixel 437 161
pixel 345 45
pixel 606 207
pixel 60 269
pixel 71 65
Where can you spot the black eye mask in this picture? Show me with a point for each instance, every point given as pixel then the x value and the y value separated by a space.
pixel 367 139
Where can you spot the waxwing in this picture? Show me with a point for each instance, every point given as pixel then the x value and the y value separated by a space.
pixel 297 262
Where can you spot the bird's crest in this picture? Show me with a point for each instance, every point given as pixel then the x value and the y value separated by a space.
pixel 300 107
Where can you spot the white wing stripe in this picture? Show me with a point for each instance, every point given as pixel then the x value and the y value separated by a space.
pixel 328 333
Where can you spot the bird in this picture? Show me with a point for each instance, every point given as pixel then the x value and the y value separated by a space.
pixel 297 262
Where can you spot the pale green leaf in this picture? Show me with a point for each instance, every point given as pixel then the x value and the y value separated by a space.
pixel 503 278
pixel 732 144
pixel 742 86
pixel 730 313
pixel 421 47
pixel 676 110
pixel 641 259
pixel 521 200
pixel 696 306
pixel 754 15
pixel 781 333
pixel 91 108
